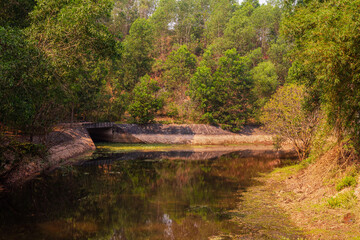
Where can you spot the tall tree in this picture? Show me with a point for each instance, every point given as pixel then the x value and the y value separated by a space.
pixel 137 59
pixel 74 37
pixel 265 83
pixel 125 12
pixel 278 55
pixel 29 93
pixel 240 32
pixel 162 19
pixel 179 67
pixel 220 13
pixel 326 41
pixel 145 101
pixel 266 21
pixel 223 96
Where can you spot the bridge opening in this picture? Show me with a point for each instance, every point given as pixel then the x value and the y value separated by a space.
pixel 109 132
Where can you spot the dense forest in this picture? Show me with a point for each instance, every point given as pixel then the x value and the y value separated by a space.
pixel 291 65
pixel 200 61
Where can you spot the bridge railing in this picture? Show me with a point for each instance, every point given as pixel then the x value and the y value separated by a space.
pixel 99 125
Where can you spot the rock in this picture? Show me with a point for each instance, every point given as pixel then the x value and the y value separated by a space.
pixel 349 218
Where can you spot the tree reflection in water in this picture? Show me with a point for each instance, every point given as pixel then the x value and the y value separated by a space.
pixel 133 199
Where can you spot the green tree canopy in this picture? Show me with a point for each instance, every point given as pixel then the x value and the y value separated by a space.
pixel 75 39
pixel 223 96
pixel 265 82
pixel 179 67
pixel 327 42
pixel 145 101
pixel 137 57
pixel 29 93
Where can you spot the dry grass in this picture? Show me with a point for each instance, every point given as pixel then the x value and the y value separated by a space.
pixel 305 196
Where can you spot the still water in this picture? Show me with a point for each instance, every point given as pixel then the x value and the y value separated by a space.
pixel 135 193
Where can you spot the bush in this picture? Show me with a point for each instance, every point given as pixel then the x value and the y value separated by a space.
pixel 172 110
pixel 343 200
pixel 285 117
pixel 145 102
pixel 179 67
pixel 347 181
pixel 265 82
pixel 222 96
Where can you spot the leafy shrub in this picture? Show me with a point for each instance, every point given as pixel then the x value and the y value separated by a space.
pixel 179 67
pixel 145 102
pixel 347 181
pixel 172 110
pixel 285 117
pixel 265 82
pixel 343 200
pixel 223 95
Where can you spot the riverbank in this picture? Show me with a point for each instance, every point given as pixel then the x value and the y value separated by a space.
pixel 307 194
pixel 64 145
pixel 67 142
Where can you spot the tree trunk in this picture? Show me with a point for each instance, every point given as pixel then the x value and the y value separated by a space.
pixel 72 115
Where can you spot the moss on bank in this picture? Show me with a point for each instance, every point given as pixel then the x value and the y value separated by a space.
pixel 260 217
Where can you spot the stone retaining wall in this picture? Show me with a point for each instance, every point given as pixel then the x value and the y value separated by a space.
pixel 197 134
pixel 69 142
pixel 64 142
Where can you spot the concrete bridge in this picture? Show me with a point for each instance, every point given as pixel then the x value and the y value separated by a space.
pixel 98 125
pixel 109 132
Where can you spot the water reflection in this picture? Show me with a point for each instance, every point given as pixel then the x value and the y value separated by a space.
pixel 112 198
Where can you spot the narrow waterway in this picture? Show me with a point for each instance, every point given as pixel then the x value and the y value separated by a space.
pixel 136 192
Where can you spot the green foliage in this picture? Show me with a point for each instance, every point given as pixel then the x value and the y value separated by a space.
pixel 29 94
pixel 326 41
pixel 137 58
pixel 223 96
pixel 266 21
pixel 321 143
pixel 254 57
pixel 239 30
pixel 125 13
pixel 162 17
pixel 15 13
pixel 145 102
pixel 300 74
pixel 252 26
pixel 277 55
pixel 265 82
pixel 201 88
pixel 343 200
pixel 80 47
pixel 172 110
pixel 221 13
pixel 187 20
pixel 179 67
pixel 347 181
pixel 284 117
